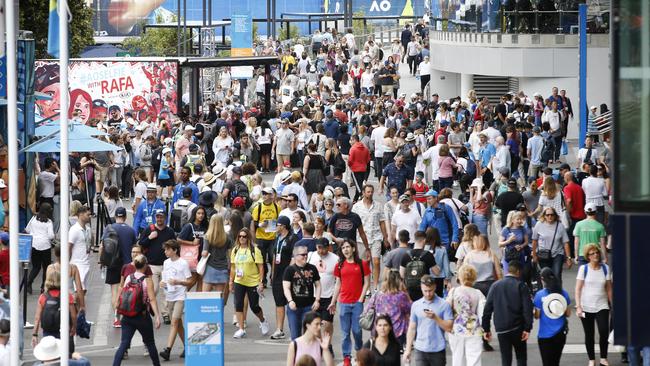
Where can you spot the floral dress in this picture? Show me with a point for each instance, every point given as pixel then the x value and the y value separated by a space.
pixel 467 305
pixel 397 305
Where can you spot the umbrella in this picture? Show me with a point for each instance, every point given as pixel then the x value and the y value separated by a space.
pixel 52 143
pixel 76 130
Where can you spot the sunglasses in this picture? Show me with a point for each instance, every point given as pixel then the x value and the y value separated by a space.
pixel 328 203
pixel 301 255
pixel 243 236
pixel 549 214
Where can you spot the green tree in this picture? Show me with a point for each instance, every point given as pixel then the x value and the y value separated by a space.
pixel 158 42
pixel 34 16
pixel 294 32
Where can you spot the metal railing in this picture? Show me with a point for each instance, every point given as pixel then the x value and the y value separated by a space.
pixel 525 22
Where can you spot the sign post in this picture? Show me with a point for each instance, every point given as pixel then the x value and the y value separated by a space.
pixel 24 254
pixel 204 329
pixel 241 35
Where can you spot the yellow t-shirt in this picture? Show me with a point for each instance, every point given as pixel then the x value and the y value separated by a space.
pixel 270 214
pixel 246 271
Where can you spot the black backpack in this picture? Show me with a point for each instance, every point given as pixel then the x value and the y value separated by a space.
pixel 240 190
pixel 51 314
pixel 548 150
pixel 414 270
pixel 111 255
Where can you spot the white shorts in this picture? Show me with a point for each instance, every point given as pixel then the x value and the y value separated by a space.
pixel 83 273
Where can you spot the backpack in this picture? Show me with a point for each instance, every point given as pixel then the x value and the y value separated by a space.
pixel 415 269
pixel 259 210
pixel 240 189
pixel 131 301
pixel 548 150
pixel 111 255
pixel 51 314
pixel 192 160
pixel 179 217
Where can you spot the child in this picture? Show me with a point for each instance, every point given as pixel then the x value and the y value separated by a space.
pixel 420 187
pixel 176 276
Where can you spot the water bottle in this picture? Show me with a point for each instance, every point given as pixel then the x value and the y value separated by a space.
pixel 103 273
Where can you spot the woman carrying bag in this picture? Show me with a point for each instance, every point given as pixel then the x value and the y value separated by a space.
pixel 42 230
pixel 216 248
pixel 551 242
pixel 384 345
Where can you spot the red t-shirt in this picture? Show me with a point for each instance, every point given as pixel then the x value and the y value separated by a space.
pixel 575 194
pixel 420 190
pixel 4 267
pixel 351 280
pixel 55 293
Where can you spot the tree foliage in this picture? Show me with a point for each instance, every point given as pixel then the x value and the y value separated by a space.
pixel 34 16
pixel 156 42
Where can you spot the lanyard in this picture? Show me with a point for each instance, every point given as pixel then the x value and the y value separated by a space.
pixel 150 209
pixel 281 244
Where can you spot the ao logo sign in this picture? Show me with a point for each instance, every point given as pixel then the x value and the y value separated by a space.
pixel 382 5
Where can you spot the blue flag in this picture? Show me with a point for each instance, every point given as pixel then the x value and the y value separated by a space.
pixel 53 30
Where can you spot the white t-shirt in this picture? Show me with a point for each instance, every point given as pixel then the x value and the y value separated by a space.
pixel 595 189
pixel 79 238
pixel 409 221
pixel 289 213
pixel 179 270
pixel 46 183
pixel 140 190
pixel 263 136
pixel 367 79
pixel 594 293
pixel 377 136
pixel 222 148
pixel 326 266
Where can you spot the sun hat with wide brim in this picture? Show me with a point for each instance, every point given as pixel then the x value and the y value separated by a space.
pixel 554 305
pixel 48 349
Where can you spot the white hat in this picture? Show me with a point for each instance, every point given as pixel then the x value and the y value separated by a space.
pixel 477 182
pixel 590 207
pixel 537 94
pixel 284 175
pixel 48 349
pixel 268 190
pixel 2 183
pixel 593 107
pixel 554 305
pixel 413 96
pixel 189 128
pixel 167 140
pixel 152 187
pixel 218 170
pixel 454 104
pixel 410 136
pixel 131 121
pixel 166 150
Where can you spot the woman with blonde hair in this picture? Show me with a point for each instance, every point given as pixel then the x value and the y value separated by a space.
pixel 216 246
pixel 470 231
pixel 393 300
pixel 389 146
pixel 593 298
pixel 552 196
pixel 465 339
pixel 551 242
pixel 513 239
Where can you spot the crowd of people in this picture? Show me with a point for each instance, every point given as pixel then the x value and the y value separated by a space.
pixel 378 216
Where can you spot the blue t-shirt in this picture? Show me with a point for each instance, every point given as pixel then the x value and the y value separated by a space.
pixel 535 144
pixel 126 239
pixel 310 243
pixel 549 327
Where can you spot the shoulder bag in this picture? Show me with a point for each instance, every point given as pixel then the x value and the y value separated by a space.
pixel 367 318
pixel 547 254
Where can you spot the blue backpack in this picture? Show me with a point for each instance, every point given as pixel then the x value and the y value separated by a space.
pixel 586 269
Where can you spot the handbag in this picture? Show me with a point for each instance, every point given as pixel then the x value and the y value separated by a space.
pixel 191 254
pixel 202 265
pixel 367 318
pixel 547 254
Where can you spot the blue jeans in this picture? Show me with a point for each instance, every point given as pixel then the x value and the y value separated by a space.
pixel 349 318
pixel 555 263
pixel 295 320
pixel 633 355
pixel 482 222
pixel 141 323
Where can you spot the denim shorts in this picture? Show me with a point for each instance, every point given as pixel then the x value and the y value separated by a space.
pixel 215 276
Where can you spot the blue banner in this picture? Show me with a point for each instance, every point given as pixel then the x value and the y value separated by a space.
pixel 241 34
pixel 204 329
pixel 24 247
pixel 53 30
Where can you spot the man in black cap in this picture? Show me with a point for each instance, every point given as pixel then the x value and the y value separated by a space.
pixel 508 200
pixel 282 254
pixel 152 239
pixel 126 239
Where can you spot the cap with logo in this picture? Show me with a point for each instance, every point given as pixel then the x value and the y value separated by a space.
pixel 120 212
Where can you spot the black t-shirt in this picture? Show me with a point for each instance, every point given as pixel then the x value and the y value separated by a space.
pixel 427 257
pixel 302 283
pixel 336 183
pixel 153 249
pixel 345 226
pixel 508 201
pixel 282 253
pixel 390 357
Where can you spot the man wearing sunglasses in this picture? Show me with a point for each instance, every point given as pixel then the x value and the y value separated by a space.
pixel 302 289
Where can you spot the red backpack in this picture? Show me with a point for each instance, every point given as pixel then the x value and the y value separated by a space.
pixel 131 302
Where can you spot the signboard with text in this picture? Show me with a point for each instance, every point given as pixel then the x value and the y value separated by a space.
pixel 204 339
pixel 241 34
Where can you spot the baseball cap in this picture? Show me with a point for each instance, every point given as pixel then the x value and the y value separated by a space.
pixel 431 193
pixel 238 202
pixel 159 211
pixel 404 197
pixel 420 174
pixel 268 190
pixel 590 207
pixel 512 182
pixel 565 166
pixel 536 129
pixel 4 237
pixel 120 212
pixel 166 150
pixel 284 221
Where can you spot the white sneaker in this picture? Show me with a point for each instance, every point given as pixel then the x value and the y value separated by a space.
pixel 239 334
pixel 278 334
pixel 264 327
